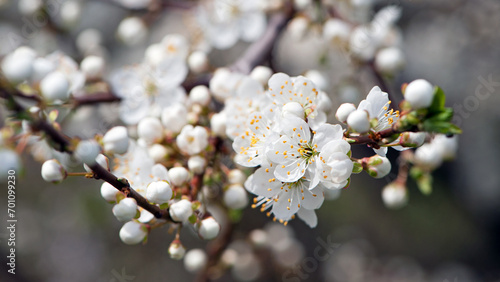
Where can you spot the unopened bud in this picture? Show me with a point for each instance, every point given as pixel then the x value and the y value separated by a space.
pixel 53 171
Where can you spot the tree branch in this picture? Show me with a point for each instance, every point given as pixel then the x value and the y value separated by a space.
pixel 64 143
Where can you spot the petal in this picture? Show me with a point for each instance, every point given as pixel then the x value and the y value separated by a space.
pixel 304 91
pixel 381 152
pixel 312 199
pixel 261 181
pixel 290 172
pixel 159 172
pixel 287 204
pixel 326 133
pixel 279 84
pixel 309 217
pixel 252 25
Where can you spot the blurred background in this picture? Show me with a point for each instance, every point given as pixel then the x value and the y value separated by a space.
pixel 68 233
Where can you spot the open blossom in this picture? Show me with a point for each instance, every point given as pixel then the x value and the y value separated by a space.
pixel 192 140
pixel 225 21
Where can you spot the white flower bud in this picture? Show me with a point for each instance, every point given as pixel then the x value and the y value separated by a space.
pixel 293 109
pixel 109 192
pixel 196 164
pixel 92 67
pixel 336 30
pixel 198 61
pixel 178 175
pixel 236 176
pixel 229 257
pixel 301 4
pixel 150 130
pixel 70 12
pixel 176 250
pixel 87 151
pixel 259 237
pixel 378 166
pixel 192 140
pixel 159 192
pixel 145 216
pixel 53 171
pixel 394 196
pixel 235 197
pixel 29 7
pixel 218 124
pixel 200 95
pixel 419 93
pixel 358 120
pixel 447 146
pixel 133 233
pixel 344 111
pixel 17 68
pixel 412 139
pixel 88 40
pixel 261 74
pixel 297 27
pixel 428 156
pixel 116 140
pixel 181 211
pixel 389 60
pixel 209 228
pixel 175 117
pixel 55 86
pixel 102 160
pixel 195 260
pixel 157 152
pixel 132 31
pixel 10 161
pixel 126 209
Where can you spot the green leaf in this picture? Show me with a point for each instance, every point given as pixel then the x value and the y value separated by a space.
pixel 357 168
pixel 445 115
pixel 235 215
pixel 443 127
pixel 438 101
pixel 193 218
pixel 164 206
pixel 425 184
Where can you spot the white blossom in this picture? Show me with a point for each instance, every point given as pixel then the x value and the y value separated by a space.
pixel 235 197
pixel 180 211
pixel 126 209
pixel 176 250
pixel 178 175
pixel 133 233
pixel 419 93
pixel 116 140
pixel 159 192
pixel 195 260
pixel 209 228
pixel 192 140
pixel 53 171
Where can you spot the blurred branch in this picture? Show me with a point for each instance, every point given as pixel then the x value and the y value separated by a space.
pixel 95 98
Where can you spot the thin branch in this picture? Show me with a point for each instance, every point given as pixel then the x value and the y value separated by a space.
pixel 95 98
pixel 374 138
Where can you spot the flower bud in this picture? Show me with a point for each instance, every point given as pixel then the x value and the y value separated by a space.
pixel 235 197
pixel 344 111
pixel 198 61
pixel 29 7
pixel 297 27
pixel 159 192
pixel 109 192
pixel 378 166
pixel 192 140
pixel 428 156
pixel 293 109
pixel 395 195
pixel 196 164
pixel 336 31
pixel 236 176
pixel 10 161
pixel 145 216
pixel 195 260
pixel 412 139
pixel 261 74
pixel 150 130
pixel 259 237
pixel 200 95
pixel 131 31
pixel 389 60
pixel 55 87
pixel 92 67
pixel 176 250
pixel 218 124
pixel 447 146
pixel 53 171
pixel 419 93
pixel 209 228
pixel 157 152
pixel 116 140
pixel 70 12
pixel 175 117
pixel 358 121
pixel 178 175
pixel 180 211
pixel 17 68
pixel 102 160
pixel 87 151
pixel 126 209
pixel 133 233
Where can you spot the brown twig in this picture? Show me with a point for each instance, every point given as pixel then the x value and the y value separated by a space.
pixel 64 142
